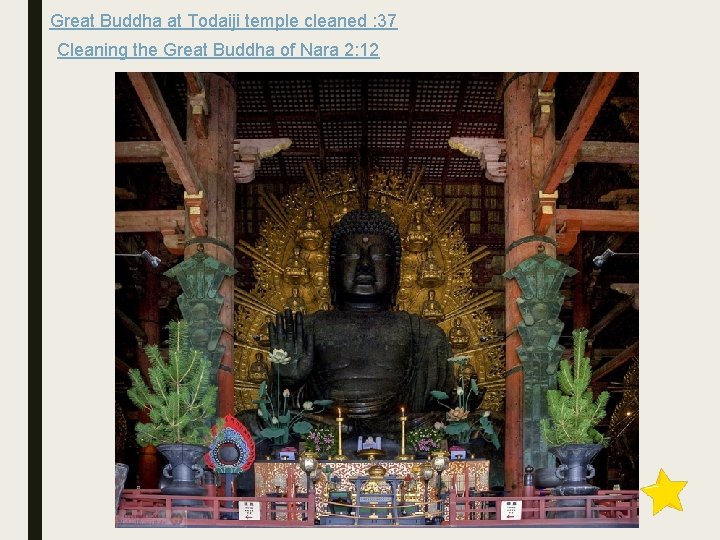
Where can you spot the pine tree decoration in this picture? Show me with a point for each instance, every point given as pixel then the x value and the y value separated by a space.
pixel 182 402
pixel 573 412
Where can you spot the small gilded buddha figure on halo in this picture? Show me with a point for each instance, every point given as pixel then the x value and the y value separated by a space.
pixel 296 270
pixel 419 237
pixel 430 274
pixel 294 303
pixel 432 310
pixel 459 336
pixel 309 234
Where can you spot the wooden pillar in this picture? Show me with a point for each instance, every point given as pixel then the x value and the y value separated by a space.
pixel 149 317
pixel 213 160
pixel 518 224
pixel 543 149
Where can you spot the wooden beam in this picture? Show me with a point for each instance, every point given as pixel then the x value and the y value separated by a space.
pixel 543 103
pixel 546 212
pixel 151 98
pixel 128 323
pixel 600 220
pixel 609 152
pixel 198 103
pixel 194 82
pixel 609 317
pixel 139 152
pixel 133 221
pixel 121 366
pixel 567 236
pixel 628 354
pixel 590 104
pixel 547 81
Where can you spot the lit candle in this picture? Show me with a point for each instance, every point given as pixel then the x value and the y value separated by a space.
pixel 339 421
pixel 402 423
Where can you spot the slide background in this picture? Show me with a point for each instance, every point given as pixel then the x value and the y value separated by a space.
pixel 673 49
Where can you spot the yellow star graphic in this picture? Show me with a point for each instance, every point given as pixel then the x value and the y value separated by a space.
pixel 665 492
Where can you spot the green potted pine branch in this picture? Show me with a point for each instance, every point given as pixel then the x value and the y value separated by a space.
pixel 574 413
pixel 180 402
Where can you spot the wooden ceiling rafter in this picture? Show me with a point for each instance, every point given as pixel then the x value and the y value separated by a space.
pixel 149 93
pixel 543 103
pixel 590 104
pixel 609 152
pixel 139 151
pixel 131 325
pixel 567 151
pixel 198 103
pixel 547 81
pixel 609 317
pixel 121 366
pixel 135 221
pixel 628 354
pixel 571 222
pixel 571 149
pixel 170 223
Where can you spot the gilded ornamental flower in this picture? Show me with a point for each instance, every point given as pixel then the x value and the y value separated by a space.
pixel 308 405
pixel 286 393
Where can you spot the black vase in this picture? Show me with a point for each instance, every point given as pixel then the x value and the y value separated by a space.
pixel 183 470
pixel 575 468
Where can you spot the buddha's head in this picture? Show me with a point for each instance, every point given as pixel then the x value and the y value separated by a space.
pixel 364 261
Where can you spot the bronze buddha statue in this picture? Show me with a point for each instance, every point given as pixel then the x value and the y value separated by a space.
pixel 367 358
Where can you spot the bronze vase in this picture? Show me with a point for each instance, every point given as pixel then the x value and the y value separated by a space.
pixel 575 468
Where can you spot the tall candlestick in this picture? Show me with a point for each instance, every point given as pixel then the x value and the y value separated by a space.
pixel 402 423
pixel 339 421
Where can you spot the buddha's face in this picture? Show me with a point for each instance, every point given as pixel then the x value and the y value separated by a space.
pixel 365 269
